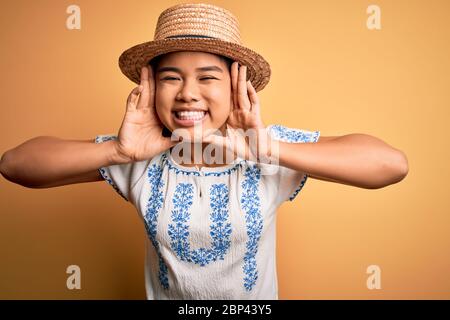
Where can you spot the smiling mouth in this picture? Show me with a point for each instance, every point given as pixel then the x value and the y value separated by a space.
pixel 189 118
pixel 190 115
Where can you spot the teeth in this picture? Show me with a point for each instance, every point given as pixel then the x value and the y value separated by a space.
pixel 190 115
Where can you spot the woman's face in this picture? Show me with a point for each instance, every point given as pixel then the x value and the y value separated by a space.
pixel 192 81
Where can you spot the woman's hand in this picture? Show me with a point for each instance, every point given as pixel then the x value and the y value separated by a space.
pixel 140 136
pixel 245 112
pixel 246 133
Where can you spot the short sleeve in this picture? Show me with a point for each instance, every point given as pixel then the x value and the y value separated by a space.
pixel 122 177
pixel 285 182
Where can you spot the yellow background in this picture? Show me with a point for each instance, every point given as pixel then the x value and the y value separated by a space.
pixel 329 73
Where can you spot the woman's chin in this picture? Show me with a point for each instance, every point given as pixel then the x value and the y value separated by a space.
pixel 194 134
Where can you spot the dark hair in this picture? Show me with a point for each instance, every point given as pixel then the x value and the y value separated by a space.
pixel 154 62
pixel 228 61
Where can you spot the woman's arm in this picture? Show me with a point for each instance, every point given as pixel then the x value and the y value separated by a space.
pixel 44 161
pixel 358 160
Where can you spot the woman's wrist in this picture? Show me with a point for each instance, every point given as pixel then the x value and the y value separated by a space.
pixel 259 145
pixel 116 155
pixel 265 144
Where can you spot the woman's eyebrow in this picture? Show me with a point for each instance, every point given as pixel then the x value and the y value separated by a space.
pixel 174 69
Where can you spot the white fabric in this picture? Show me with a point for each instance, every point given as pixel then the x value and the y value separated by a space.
pixel 210 232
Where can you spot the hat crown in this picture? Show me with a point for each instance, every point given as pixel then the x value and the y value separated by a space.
pixel 197 20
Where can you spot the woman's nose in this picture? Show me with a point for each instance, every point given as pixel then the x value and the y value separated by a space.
pixel 188 91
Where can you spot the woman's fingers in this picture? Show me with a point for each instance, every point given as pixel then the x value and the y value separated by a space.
pixel 151 87
pixel 240 87
pixel 234 81
pixel 243 100
pixel 145 93
pixel 254 99
pixel 133 98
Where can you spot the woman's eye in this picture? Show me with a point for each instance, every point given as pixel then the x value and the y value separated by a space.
pixel 174 78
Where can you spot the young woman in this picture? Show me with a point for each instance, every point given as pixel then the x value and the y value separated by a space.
pixel 209 220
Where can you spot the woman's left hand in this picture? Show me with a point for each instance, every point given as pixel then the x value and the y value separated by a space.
pixel 245 111
pixel 246 133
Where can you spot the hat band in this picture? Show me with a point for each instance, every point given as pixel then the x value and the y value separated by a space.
pixel 190 36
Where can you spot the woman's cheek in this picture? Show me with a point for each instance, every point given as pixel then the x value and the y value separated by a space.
pixel 220 95
pixel 164 114
pixel 220 92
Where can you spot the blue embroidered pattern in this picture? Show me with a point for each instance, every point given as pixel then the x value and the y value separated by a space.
pixel 250 203
pixel 196 173
pixel 100 139
pixel 179 231
pixel 286 134
pixel 220 229
pixel 154 204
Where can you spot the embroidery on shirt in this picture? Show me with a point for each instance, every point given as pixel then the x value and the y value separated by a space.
pixel 154 204
pixel 100 139
pixel 196 173
pixel 286 134
pixel 250 203
pixel 220 228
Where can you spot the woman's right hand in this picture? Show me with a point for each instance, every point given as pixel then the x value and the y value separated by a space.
pixel 140 136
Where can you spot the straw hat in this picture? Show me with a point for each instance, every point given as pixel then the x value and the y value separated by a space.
pixel 196 27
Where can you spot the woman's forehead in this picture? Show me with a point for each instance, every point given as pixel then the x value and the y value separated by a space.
pixel 189 57
pixel 191 60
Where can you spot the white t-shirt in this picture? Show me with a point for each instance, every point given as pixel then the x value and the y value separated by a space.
pixel 210 232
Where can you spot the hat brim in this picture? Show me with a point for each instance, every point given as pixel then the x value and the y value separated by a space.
pixel 133 59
